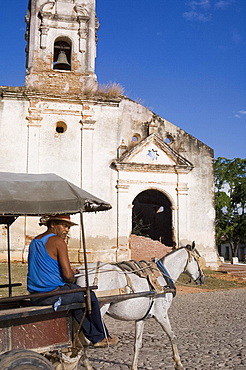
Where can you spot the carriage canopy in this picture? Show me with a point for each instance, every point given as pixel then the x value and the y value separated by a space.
pixel 44 194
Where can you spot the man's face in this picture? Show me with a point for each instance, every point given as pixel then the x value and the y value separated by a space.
pixel 61 229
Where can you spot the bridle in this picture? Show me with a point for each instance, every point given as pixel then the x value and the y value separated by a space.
pixel 199 260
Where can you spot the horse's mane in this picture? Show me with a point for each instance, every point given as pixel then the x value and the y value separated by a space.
pixel 173 251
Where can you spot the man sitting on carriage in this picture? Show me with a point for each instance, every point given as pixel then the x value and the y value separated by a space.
pixel 49 270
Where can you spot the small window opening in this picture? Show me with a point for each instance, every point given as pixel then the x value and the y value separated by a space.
pixel 60 130
pixel 61 127
pixel 136 138
pixel 169 139
pixel 62 56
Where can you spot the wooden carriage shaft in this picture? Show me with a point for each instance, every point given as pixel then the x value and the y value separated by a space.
pixel 40 295
pixel 101 300
pixel 124 297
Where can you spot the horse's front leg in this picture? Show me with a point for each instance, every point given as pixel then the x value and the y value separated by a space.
pixel 166 326
pixel 139 325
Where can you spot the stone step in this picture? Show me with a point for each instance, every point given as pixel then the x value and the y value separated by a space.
pixel 235 270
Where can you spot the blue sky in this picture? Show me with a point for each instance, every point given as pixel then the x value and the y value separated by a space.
pixel 184 59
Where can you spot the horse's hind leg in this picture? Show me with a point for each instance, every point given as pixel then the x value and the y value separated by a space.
pixel 139 325
pixel 166 326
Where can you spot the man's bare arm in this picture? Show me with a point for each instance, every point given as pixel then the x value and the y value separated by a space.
pixel 57 249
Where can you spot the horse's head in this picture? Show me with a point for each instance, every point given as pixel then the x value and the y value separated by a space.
pixel 195 264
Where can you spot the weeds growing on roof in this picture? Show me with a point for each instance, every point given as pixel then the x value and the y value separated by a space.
pixel 111 90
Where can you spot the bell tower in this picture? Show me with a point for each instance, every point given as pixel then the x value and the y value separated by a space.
pixel 61 45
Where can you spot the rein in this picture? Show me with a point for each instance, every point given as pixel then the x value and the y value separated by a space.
pixel 160 267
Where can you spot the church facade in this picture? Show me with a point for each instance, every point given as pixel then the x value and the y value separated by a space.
pixel 157 177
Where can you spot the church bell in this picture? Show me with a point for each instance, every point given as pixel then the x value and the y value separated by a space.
pixel 62 62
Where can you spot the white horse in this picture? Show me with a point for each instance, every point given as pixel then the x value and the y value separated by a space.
pixel 111 280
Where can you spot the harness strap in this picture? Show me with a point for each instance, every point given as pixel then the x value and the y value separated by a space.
pixel 129 283
pixel 147 313
pixel 128 280
pixel 147 264
pixel 96 275
pixel 152 276
pixel 141 269
pixel 167 277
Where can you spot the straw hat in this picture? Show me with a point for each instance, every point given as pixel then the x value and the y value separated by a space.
pixel 62 218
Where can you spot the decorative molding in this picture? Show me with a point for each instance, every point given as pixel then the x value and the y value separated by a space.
pixel 88 124
pixel 43 37
pixel 83 19
pixel 121 187
pixel 81 10
pixel 46 11
pixel 153 127
pixel 87 112
pixel 149 183
pixel 182 188
pixel 34 120
pixel 48 7
pixel 121 149
pixel 124 162
pixel 145 167
pixel 83 34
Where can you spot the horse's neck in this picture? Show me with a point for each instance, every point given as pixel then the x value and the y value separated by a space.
pixel 175 263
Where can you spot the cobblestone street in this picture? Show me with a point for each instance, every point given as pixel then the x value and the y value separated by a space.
pixel 211 332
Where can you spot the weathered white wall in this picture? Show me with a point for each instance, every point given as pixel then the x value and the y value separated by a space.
pixel 13 134
pixel 84 154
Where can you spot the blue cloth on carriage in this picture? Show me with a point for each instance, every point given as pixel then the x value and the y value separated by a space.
pixel 44 273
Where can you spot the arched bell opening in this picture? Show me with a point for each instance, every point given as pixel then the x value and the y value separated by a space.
pixel 152 216
pixel 62 55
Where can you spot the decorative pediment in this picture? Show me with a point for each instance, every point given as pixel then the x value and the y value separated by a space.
pixel 153 154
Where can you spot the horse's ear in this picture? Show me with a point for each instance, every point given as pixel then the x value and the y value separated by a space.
pixel 193 245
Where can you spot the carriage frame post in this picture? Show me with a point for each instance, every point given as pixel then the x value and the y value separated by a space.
pixel 88 293
pixel 9 267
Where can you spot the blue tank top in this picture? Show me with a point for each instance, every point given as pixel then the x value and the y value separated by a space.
pixel 44 273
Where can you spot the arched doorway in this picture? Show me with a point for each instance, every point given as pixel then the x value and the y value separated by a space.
pixel 152 216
